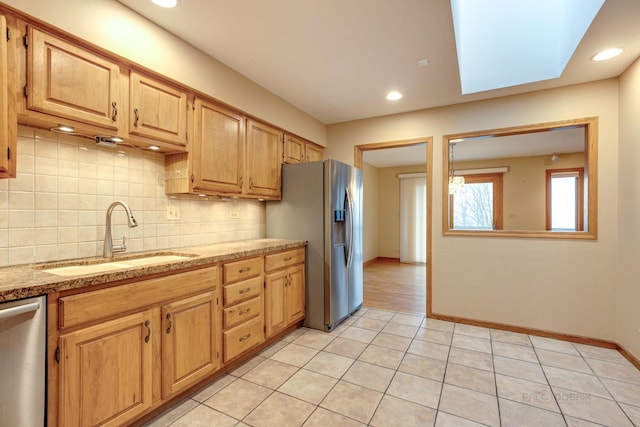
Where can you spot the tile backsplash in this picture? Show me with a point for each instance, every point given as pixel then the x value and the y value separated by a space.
pixel 56 207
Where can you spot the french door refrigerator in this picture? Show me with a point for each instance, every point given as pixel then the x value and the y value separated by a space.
pixel 322 204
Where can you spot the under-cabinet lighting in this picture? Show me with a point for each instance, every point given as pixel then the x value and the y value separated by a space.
pixel 63 128
pixel 154 147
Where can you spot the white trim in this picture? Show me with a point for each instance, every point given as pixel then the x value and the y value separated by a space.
pixel 500 169
pixel 412 175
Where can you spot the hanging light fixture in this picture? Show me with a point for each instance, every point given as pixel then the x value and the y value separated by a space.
pixel 455 182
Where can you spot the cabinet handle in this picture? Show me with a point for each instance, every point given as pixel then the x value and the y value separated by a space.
pixel 244 270
pixel 250 183
pixel 170 323
pixel 136 114
pixel 148 337
pixel 244 338
pixel 114 116
pixel 241 181
pixel 244 291
pixel 241 313
pixel 287 259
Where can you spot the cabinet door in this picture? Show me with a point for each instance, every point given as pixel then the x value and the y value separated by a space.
pixel 106 372
pixel 157 110
pixel 218 149
pixel 189 341
pixel 293 150
pixel 275 302
pixel 295 295
pixel 264 157
pixel 8 120
pixel 313 153
pixel 67 81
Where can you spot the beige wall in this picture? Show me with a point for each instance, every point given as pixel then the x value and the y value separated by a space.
pixel 556 285
pixel 114 27
pixel 628 277
pixel 370 238
pixel 524 186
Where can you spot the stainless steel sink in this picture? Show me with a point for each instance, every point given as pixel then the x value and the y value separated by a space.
pixel 82 268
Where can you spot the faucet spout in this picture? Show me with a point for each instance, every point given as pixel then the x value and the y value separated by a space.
pixel 108 248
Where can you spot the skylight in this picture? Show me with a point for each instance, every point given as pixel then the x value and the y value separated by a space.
pixel 504 43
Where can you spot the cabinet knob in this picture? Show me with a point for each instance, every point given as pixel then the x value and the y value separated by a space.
pixel 243 312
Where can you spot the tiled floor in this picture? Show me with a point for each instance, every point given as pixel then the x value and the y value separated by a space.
pixel 382 368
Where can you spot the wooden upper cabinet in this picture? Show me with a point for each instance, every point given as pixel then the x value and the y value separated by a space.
pixel 67 81
pixel 293 149
pixel 8 119
pixel 264 157
pixel 313 153
pixel 218 148
pixel 157 110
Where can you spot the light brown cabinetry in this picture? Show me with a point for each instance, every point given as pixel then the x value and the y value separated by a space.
pixel 284 289
pixel 243 315
pixel 264 157
pixel 8 118
pixel 157 111
pixel 128 348
pixel 313 152
pixel 298 150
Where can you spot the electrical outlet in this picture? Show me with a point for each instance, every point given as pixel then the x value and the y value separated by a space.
pixel 173 213
pixel 234 215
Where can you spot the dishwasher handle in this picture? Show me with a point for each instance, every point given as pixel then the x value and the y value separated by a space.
pixel 8 313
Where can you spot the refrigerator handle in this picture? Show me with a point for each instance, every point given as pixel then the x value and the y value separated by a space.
pixel 350 229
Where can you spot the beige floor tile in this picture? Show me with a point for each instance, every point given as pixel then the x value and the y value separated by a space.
pixel 425 367
pixel 359 334
pixel 526 392
pixel 352 401
pixel 469 404
pixel 429 349
pixel 407 319
pixel 247 366
pixel 238 398
pixel 621 391
pixel 379 314
pixel 616 371
pixel 309 386
pixel 633 412
pixel 474 331
pixel 563 360
pixel 415 389
pixel 401 329
pixel 471 378
pixel 471 343
pixel 591 408
pixel 576 381
pixel 270 373
pixel 345 347
pixel 382 356
pixel 608 354
pixel 519 352
pixel 447 420
pixel 273 348
pixel 213 388
pixel 433 335
pixel 369 376
pixel 510 337
pixel 323 418
pixel 475 359
pixel 172 414
pixel 294 334
pixel 295 355
pixel 394 412
pixel 369 323
pixel 576 422
pixel 391 341
pixel 553 345
pixel 203 416
pixel 280 410
pixel 513 414
pixel 440 325
pixel 329 364
pixel 317 340
pixel 519 369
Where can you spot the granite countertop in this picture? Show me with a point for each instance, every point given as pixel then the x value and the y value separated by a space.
pixel 23 281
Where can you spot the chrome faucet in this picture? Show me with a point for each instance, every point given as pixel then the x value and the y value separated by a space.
pixel 109 247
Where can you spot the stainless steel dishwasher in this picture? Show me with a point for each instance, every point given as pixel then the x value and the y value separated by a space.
pixel 22 362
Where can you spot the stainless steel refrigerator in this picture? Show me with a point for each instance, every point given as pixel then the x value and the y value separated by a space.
pixel 322 204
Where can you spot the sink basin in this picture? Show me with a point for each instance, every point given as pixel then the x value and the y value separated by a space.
pixel 82 269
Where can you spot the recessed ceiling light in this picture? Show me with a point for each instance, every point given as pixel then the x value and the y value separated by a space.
pixel 607 54
pixel 166 3
pixel 422 62
pixel 394 95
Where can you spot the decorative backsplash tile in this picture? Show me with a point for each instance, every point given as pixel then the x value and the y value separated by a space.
pixel 56 207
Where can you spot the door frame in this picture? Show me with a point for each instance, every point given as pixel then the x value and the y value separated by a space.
pixel 358 151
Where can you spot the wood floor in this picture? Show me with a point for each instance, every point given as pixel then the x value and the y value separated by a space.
pixel 391 285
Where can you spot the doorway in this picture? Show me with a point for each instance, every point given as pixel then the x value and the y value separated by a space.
pixel 390 284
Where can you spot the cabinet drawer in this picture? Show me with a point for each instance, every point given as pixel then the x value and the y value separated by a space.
pixel 241 312
pixel 240 270
pixel 283 259
pixel 243 337
pixel 242 291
